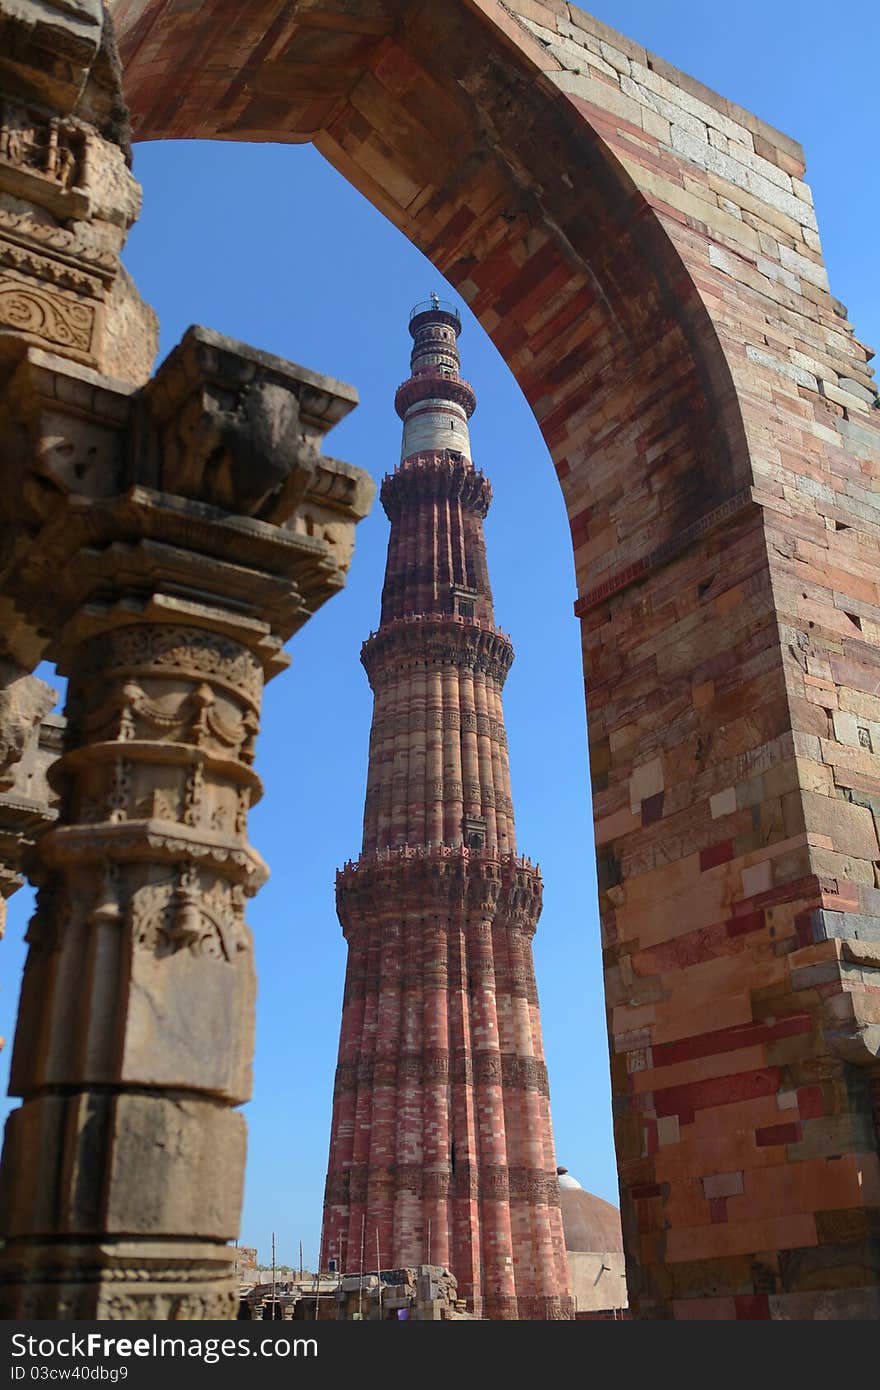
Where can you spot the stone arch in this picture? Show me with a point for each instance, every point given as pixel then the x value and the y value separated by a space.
pixel 645 256
pixel 453 127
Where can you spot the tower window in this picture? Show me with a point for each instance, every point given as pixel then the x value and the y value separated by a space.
pixel 464 601
pixel 474 831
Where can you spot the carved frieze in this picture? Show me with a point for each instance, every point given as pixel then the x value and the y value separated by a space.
pixel 43 158
pixel 430 641
pixel 174 652
pixel 46 316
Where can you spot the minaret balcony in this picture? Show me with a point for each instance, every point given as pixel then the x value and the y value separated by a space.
pixel 435 386
pixel 507 887
pixel 442 474
pixel 437 639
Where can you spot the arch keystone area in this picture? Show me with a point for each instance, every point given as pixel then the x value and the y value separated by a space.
pixel 645 256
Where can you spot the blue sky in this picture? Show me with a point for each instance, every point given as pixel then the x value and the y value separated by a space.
pixel 269 245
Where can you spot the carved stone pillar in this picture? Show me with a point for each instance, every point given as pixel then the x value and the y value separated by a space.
pixel 29 743
pixel 169 541
pixel 160 542
pixel 67 199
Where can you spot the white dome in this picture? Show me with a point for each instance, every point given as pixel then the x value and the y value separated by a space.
pixel 567 1181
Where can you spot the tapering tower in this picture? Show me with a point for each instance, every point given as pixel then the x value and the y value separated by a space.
pixel 441 1145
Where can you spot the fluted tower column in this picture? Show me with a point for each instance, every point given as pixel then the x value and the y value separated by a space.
pixel 441 1147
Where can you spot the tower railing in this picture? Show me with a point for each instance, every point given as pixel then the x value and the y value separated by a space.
pixel 437 306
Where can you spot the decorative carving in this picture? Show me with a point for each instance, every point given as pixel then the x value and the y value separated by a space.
pixel 106 909
pixel 243 457
pixel 46 315
pixel 192 796
pixel 436 640
pixel 41 145
pixel 44 929
pixel 24 702
pixel 175 914
pixel 120 791
pixel 23 229
pixel 174 651
pixel 166 612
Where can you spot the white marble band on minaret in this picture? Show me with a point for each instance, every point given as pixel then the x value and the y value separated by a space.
pixel 435 403
pixel 435 424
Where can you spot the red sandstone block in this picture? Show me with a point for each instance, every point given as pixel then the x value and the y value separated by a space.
pixel 716 854
pixel 652 808
pixel 749 922
pixel 778 1134
pixel 753 1307
pixel 729 1039
pixel 740 1237
pixel 720 1090
pixel 718 1209
pixel 644 1190
pixel 811 1103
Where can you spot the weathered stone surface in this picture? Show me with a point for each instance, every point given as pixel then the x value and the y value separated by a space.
pixel 167 613
pixel 693 378
pixel 134 557
pixel 24 702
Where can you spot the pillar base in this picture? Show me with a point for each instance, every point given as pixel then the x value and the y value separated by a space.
pixel 125 1279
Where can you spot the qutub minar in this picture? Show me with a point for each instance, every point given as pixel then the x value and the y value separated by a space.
pixel 441 1146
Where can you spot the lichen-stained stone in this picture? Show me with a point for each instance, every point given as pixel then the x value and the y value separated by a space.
pixel 645 255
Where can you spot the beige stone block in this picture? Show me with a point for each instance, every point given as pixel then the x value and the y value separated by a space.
pixel 168 1043
pixel 646 780
pixel 726 1012
pixel 653 101
pixel 757 879
pixel 833 392
pixel 171 1166
pixel 598 93
pixel 705 210
pixel 668 1130
pixel 656 125
pixel 723 803
pixel 684 102
pixel 782 367
pixel 175 1165
pixel 804 267
pixel 601 32
pixel 857 733
pixel 739 174
pixel 615 57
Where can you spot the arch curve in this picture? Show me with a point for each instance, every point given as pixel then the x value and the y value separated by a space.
pixel 442 118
